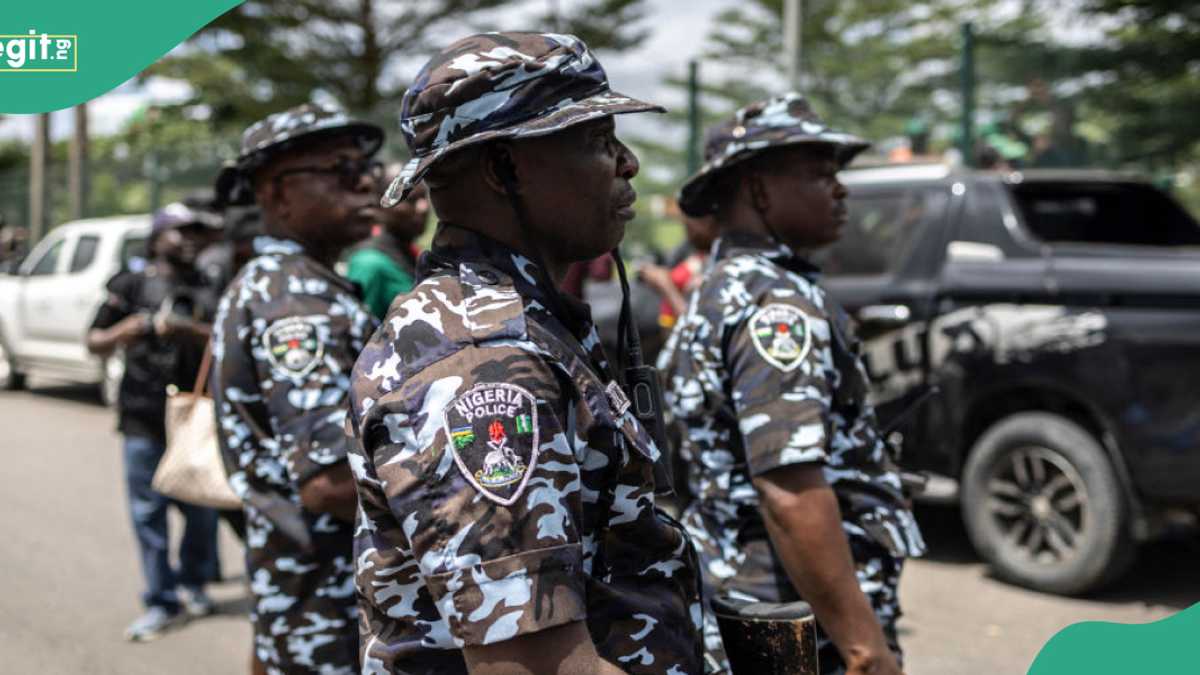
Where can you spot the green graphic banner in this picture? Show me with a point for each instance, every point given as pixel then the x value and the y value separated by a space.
pixel 1099 648
pixel 60 53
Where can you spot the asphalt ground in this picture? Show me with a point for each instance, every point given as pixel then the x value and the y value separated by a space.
pixel 69 578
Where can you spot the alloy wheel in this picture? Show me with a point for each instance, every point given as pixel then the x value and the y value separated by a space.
pixel 1039 502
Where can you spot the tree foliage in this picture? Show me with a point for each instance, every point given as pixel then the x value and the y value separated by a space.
pixel 1147 71
pixel 867 65
pixel 266 55
pixel 1103 82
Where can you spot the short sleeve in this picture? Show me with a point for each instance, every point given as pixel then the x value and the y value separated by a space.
pixel 779 357
pixel 302 340
pixel 476 468
pixel 307 358
pixel 118 301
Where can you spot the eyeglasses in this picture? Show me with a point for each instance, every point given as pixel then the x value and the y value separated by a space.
pixel 347 171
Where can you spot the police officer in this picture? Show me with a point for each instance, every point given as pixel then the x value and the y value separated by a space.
pixel 287 332
pixel 507 492
pixel 797 493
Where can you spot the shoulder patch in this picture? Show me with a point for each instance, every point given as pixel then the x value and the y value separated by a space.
pixel 781 335
pixel 293 347
pixel 492 430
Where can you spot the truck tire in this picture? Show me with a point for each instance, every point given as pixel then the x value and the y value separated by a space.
pixel 10 377
pixel 1043 506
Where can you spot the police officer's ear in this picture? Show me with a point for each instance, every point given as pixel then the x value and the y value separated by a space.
pixel 269 195
pixel 500 170
pixel 756 189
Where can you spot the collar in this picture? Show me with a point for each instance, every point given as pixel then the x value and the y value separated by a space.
pixel 454 246
pixel 266 245
pixel 732 244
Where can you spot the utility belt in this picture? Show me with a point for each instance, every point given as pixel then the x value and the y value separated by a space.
pixel 767 638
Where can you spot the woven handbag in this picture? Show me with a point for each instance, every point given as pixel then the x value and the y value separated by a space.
pixel 191 470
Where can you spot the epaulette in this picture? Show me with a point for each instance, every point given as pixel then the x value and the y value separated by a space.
pixel 487 305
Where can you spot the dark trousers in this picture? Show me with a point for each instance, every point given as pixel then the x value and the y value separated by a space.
pixel 198 563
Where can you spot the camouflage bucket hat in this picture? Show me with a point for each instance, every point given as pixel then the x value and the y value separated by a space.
pixel 178 214
pixel 501 85
pixel 782 120
pixel 284 130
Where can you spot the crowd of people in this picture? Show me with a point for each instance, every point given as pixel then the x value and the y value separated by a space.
pixel 440 464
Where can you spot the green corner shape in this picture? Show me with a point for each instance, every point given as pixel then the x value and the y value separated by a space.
pixel 114 40
pixel 1169 645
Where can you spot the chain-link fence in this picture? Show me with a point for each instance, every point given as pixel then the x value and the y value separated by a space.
pixel 123 175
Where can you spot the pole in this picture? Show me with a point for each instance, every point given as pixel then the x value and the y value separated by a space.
pixel 37 178
pixel 793 42
pixel 78 176
pixel 693 146
pixel 967 84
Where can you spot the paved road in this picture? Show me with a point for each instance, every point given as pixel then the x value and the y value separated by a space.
pixel 69 578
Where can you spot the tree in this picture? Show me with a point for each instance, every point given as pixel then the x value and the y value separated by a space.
pixel 869 66
pixel 266 55
pixel 1128 90
pixel 1147 72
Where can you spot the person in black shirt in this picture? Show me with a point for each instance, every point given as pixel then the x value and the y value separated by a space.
pixel 161 316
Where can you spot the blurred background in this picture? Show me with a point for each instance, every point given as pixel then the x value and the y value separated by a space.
pixel 1100 267
pixel 985 83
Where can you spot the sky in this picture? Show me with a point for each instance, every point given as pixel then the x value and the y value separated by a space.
pixel 677 35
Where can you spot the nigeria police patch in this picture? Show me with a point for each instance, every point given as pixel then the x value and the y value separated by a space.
pixel 292 345
pixel 781 335
pixel 492 431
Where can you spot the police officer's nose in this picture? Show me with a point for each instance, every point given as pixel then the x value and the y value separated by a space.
pixel 366 183
pixel 627 162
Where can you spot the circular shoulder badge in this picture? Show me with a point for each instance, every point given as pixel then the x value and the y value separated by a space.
pixel 293 347
pixel 781 335
pixel 493 432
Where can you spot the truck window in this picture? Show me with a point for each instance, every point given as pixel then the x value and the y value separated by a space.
pixel 881 227
pixel 983 221
pixel 1128 214
pixel 85 253
pixel 48 263
pixel 132 247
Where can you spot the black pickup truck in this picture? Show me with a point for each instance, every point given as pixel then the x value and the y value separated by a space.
pixel 1058 316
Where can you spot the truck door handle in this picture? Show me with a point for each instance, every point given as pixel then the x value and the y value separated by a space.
pixel 887 315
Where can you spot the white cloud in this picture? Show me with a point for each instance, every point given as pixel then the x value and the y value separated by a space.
pixel 106 113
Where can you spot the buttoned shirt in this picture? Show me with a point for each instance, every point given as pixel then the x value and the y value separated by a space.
pixel 505 486
pixel 763 372
pixel 286 335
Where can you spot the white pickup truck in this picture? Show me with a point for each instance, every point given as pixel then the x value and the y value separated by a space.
pixel 48 302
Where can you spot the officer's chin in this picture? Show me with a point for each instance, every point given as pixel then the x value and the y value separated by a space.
pixel 359 226
pixel 615 233
pixel 355 235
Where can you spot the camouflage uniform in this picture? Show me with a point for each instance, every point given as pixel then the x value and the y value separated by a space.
pixel 284 341
pixel 505 488
pixel 764 372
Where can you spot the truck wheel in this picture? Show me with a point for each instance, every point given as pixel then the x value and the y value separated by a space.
pixel 10 377
pixel 1043 506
